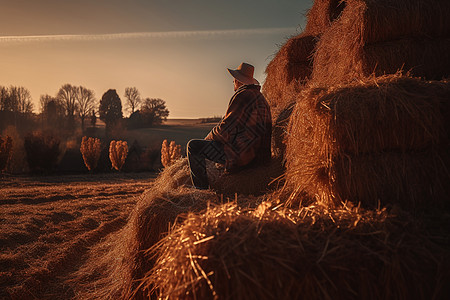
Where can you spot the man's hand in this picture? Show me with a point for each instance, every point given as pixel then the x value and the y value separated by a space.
pixel 209 137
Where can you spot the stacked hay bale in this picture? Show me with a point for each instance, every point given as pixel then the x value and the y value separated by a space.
pixel 286 73
pixel 379 141
pixel 382 37
pixel 292 67
pixel 312 253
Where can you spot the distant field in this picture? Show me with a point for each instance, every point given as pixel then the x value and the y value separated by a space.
pixel 178 130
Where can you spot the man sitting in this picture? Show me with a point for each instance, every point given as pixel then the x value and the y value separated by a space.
pixel 242 138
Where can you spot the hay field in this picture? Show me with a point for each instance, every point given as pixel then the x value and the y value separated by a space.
pixel 47 225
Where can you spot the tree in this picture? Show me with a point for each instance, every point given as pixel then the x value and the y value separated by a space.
pixel 133 98
pixel 4 99
pixel 154 111
pixel 85 103
pixel 44 100
pixel 52 111
pixel 67 96
pixel 110 108
pixel 16 107
pixel 21 98
pixel 93 119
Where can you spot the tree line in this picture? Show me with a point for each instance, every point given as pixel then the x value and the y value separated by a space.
pixel 73 104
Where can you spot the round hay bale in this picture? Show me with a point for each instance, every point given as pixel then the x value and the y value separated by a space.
pixel 291 67
pixel 382 37
pixel 311 253
pixel 346 143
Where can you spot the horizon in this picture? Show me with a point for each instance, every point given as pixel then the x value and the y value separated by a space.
pixel 180 56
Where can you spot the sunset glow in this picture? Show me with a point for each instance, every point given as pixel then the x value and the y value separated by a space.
pixel 179 57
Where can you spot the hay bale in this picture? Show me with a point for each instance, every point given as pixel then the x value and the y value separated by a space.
pixel 174 176
pixel 364 141
pixel 311 253
pixel 254 180
pixel 415 181
pixel 291 65
pixel 382 37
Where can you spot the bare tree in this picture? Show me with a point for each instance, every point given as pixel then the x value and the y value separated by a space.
pixel 43 102
pixel 67 95
pixel 4 99
pixel 133 98
pixel 21 99
pixel 86 102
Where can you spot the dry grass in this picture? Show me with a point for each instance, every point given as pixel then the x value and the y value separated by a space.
pixel 118 151
pixel 170 153
pixel 384 37
pixel 382 139
pixel 90 149
pixel 310 253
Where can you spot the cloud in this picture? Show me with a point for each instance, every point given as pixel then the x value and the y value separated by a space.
pixel 202 34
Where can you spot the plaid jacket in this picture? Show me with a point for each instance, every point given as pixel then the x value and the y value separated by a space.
pixel 245 130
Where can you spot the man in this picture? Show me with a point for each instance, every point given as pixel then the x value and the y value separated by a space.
pixel 242 138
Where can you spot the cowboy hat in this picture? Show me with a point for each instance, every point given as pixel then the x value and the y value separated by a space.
pixel 244 73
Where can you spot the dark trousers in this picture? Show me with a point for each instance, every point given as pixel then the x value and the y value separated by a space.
pixel 197 152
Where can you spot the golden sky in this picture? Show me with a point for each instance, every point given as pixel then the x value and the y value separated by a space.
pixel 174 50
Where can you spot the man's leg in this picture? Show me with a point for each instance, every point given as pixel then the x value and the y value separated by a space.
pixel 197 152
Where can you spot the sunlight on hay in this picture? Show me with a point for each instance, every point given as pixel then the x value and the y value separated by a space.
pixel 377 140
pixel 383 37
pixel 273 252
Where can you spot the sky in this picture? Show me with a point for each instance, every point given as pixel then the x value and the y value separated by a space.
pixel 176 50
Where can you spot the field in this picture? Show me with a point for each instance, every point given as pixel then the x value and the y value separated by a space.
pixel 48 224
pixel 178 130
